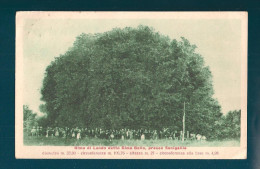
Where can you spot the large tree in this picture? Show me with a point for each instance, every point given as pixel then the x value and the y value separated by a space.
pixel 131 77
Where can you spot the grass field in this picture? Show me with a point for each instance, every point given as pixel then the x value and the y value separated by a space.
pixel 54 141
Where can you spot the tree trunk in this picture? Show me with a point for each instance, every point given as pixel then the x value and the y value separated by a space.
pixel 183 129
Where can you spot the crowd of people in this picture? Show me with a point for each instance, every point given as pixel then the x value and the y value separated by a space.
pixel 113 134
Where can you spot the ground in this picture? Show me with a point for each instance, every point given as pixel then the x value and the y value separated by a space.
pixel 54 141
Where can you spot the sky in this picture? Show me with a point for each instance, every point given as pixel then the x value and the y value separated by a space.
pixel 218 41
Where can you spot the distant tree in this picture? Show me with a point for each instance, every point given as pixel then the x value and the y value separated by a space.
pixel 228 127
pixel 232 124
pixel 131 77
pixel 29 118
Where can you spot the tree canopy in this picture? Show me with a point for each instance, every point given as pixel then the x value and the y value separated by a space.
pixel 131 78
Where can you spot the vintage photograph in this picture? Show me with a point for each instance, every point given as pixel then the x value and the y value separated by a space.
pixel 131 81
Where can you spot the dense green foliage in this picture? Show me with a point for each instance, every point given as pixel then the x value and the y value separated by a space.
pixel 133 78
pixel 228 127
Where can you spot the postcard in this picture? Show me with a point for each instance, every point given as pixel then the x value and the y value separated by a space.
pixel 131 85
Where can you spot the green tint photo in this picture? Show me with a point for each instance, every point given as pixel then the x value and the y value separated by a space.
pixel 152 85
